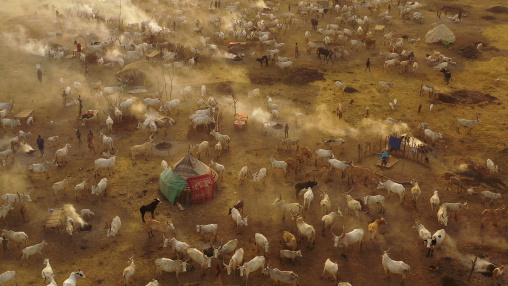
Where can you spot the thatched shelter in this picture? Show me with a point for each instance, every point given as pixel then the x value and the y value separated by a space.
pixel 438 34
pixel 137 74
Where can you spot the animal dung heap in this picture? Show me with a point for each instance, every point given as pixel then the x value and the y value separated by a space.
pixel 190 176
pixel 438 34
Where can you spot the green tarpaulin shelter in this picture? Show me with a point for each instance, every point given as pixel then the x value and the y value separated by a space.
pixel 173 181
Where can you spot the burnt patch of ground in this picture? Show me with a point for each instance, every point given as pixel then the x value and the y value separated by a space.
pixel 350 89
pixel 303 76
pixel 465 97
pixel 300 76
pixel 498 10
pixel 488 18
pixel 469 52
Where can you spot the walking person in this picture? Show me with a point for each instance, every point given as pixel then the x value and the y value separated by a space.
pixel 40 144
pixel 297 53
pixel 86 69
pixel 39 75
pixel 89 139
pixel 367 65
pixel 78 135
pixel 286 131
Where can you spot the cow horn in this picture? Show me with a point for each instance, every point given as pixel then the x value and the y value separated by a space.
pixel 332 230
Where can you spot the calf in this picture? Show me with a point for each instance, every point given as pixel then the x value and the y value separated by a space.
pixel 149 208
pixel 159 226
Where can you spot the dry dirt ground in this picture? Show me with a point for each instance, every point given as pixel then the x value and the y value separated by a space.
pixel 307 88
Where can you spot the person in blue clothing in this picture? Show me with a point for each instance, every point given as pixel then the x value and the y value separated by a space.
pixel 384 157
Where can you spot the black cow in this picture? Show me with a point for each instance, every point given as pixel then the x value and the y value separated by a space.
pixel 301 186
pixel 149 208
pixel 262 59
pixel 447 75
pixel 314 22
pixel 326 53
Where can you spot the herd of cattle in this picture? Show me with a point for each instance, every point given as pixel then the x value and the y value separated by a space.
pixel 256 24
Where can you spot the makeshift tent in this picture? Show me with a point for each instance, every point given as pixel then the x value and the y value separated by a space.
pixel 438 34
pixel 395 143
pixel 188 175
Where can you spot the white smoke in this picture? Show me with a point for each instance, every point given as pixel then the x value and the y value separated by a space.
pixel 19 40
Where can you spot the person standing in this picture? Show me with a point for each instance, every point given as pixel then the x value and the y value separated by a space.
pixel 86 69
pixel 297 53
pixel 80 105
pixel 5 245
pixel 78 135
pixel 367 65
pixel 39 75
pixel 89 139
pixel 40 144
pixel 64 96
pixel 286 131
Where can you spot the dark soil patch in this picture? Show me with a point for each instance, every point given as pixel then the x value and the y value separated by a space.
pixel 488 17
pixel 465 97
pixel 303 76
pixel 469 52
pixel 163 146
pixel 224 87
pixel 350 89
pixel 498 10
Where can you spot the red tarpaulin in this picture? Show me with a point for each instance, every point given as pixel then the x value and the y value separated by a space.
pixel 202 188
